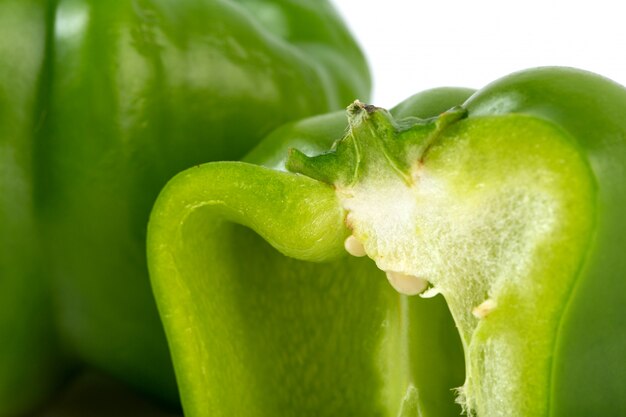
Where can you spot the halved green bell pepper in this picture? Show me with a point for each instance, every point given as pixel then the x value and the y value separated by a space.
pixel 508 202
pixel 101 102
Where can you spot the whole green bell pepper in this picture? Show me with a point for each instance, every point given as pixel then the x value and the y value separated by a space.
pixel 509 204
pixel 101 102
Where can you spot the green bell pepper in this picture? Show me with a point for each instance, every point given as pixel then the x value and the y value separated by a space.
pixel 507 202
pixel 101 102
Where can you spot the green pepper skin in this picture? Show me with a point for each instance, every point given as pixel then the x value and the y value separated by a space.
pixel 30 355
pixel 211 276
pixel 280 336
pixel 101 102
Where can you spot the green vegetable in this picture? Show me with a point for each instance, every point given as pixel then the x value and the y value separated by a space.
pixel 510 204
pixel 101 102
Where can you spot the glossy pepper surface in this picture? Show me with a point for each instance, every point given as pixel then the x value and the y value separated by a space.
pixel 101 102
pixel 508 202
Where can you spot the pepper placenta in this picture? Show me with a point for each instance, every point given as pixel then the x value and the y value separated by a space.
pixel 508 202
pixel 101 102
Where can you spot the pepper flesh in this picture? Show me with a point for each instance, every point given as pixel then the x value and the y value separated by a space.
pixel 565 121
pixel 100 104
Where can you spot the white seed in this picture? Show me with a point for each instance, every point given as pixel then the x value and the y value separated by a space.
pixel 430 293
pixel 354 247
pixel 406 284
pixel 485 308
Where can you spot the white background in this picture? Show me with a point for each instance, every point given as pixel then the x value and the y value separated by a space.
pixel 415 45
